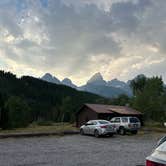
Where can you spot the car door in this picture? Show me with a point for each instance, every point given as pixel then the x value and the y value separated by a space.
pixel 117 123
pixel 92 127
pixel 112 121
pixel 87 127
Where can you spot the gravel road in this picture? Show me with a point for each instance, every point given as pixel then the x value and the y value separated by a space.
pixel 77 150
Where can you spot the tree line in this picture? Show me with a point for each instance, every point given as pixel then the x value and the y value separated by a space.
pixel 27 99
pixel 149 97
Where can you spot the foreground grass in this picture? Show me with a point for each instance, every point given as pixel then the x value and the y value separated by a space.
pixel 35 128
pixel 61 127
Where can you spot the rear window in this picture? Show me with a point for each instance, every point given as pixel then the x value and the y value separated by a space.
pixel 103 122
pixel 134 120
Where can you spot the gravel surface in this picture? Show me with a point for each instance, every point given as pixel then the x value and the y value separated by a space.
pixel 77 150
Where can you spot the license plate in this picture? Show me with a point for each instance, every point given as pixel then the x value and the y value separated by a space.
pixel 109 128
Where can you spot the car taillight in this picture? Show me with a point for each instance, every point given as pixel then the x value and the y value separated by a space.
pixel 151 163
pixel 103 127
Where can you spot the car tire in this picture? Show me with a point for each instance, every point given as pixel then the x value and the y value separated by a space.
pixel 134 132
pixel 111 135
pixel 96 134
pixel 82 132
pixel 122 131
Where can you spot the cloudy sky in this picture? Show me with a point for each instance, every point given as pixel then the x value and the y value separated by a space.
pixel 77 38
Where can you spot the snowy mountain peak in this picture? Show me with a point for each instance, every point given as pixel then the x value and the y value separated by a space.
pixel 49 78
pixel 116 83
pixel 68 82
pixel 47 75
pixel 97 79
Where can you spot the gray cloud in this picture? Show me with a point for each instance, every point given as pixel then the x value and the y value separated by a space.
pixel 125 15
pixel 64 35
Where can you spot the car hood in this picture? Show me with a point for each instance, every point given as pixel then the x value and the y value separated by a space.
pixel 159 155
pixel 82 126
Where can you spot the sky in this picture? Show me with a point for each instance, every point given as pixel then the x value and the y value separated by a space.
pixel 77 38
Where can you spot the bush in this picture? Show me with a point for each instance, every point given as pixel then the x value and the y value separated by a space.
pixel 17 112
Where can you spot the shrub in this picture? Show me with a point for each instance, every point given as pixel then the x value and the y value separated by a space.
pixel 17 112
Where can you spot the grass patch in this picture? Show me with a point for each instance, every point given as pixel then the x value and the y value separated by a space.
pixel 44 123
pixel 154 126
pixel 48 127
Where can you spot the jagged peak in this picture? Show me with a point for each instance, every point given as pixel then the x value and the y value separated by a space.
pixel 66 80
pixel 97 79
pixel 50 78
pixel 97 76
pixel 47 75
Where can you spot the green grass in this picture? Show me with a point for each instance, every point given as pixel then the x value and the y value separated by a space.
pixel 154 126
pixel 34 128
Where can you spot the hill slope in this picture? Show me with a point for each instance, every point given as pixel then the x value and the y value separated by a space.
pixel 47 100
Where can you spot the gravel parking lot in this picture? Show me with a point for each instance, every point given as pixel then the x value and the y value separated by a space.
pixel 77 150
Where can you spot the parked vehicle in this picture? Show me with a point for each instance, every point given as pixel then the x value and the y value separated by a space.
pixel 158 157
pixel 163 139
pixel 97 128
pixel 124 124
pixel 165 124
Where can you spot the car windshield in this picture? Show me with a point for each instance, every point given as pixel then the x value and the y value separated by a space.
pixel 162 147
pixel 103 122
pixel 163 139
pixel 134 120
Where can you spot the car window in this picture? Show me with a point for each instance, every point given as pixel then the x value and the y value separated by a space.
pixel 124 120
pixel 94 123
pixel 103 122
pixel 89 123
pixel 112 120
pixel 117 120
pixel 134 120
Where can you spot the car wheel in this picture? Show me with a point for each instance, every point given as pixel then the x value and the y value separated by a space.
pixel 82 132
pixel 122 131
pixel 111 135
pixel 134 132
pixel 96 134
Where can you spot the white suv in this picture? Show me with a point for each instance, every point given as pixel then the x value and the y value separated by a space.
pixel 123 124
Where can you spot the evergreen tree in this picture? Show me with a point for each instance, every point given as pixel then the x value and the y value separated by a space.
pixel 18 112
pixel 148 97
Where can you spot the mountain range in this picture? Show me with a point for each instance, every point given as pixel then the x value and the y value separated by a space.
pixel 96 84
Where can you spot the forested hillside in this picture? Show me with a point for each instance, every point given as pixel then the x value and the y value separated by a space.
pixel 27 99
pixel 35 99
